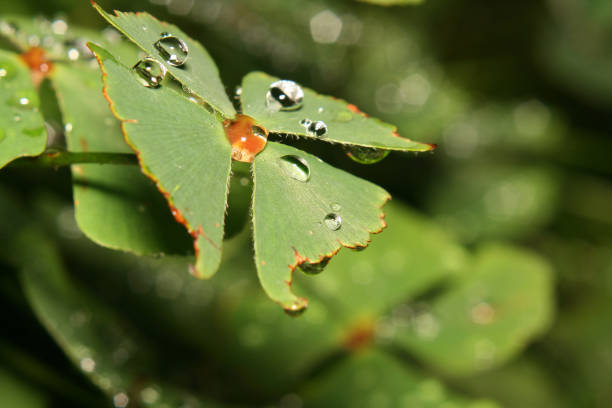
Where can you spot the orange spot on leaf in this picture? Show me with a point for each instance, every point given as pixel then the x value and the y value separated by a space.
pixel 247 139
pixel 360 336
pixel 40 67
pixel 355 109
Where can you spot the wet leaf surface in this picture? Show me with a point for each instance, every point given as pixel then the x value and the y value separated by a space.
pixel 22 128
pixel 343 121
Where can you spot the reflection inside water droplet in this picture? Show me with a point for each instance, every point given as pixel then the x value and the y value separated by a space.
pixel 366 155
pixel 150 72
pixel 295 167
pixel 172 49
pixel 333 221
pixel 317 128
pixel 284 95
pixel 314 268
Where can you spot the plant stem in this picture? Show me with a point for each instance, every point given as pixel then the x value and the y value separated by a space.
pixel 64 158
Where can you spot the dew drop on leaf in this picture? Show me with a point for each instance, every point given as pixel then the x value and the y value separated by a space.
pixel 150 72
pixel 366 155
pixel 314 268
pixel 17 117
pixel 77 49
pixel 333 221
pixel 335 207
pixel 284 95
pixel 317 128
pixel 296 310
pixel 295 167
pixel 172 49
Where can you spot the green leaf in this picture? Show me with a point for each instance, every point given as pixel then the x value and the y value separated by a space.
pixel 392 2
pixel 411 256
pixel 200 74
pixel 344 125
pixel 22 128
pixel 182 148
pixel 116 206
pixel 503 301
pixel 117 360
pixel 322 209
pixel 15 392
pixel 373 378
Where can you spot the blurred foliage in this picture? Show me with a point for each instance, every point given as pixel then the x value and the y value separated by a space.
pixel 520 109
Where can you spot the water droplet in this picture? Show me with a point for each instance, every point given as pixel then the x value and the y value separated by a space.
pixel 149 395
pixel 172 49
pixel 59 26
pixel 68 127
pixel 295 167
pixel 316 128
pixel 482 313
pixel 320 110
pixel 23 100
pixel 87 364
pixel 296 309
pixel 7 70
pixel 17 117
pixel 121 400
pixel 333 221
pixel 344 116
pixel 366 155
pixel 314 268
pixel 150 72
pixel 335 207
pixel 284 95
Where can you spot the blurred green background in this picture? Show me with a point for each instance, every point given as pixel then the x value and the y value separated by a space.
pixel 492 285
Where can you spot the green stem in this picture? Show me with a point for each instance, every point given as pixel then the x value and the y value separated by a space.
pixel 64 158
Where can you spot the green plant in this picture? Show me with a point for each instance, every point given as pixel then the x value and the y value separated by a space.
pixel 416 292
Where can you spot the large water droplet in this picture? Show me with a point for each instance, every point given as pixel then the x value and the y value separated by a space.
pixel 172 49
pixel 333 221
pixel 284 95
pixel 150 72
pixel 295 167
pixel 314 268
pixel 366 155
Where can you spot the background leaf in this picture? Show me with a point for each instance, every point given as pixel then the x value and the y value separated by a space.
pixel 344 125
pixel 22 128
pixel 182 148
pixel 502 301
pixel 199 74
pixel 327 209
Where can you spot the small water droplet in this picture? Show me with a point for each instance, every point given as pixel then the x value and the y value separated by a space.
pixel 59 26
pixel 320 110
pixel 172 49
pixel 77 49
pixel 7 70
pixel 284 95
pixel 68 127
pixel 318 129
pixel 295 167
pixel 314 268
pixel 335 207
pixel 366 155
pixel 296 309
pixel 333 221
pixel 87 364
pixel 121 400
pixel 23 100
pixel 17 117
pixel 344 116
pixel 150 72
